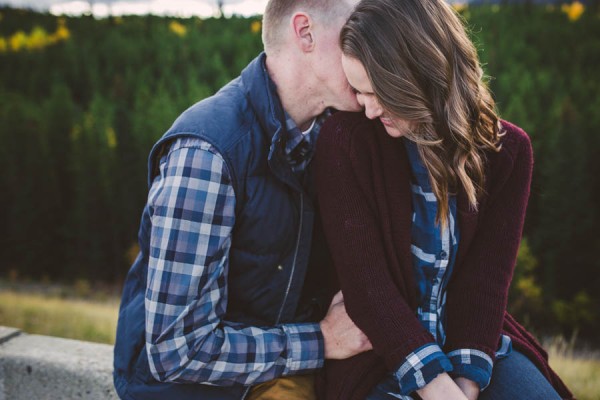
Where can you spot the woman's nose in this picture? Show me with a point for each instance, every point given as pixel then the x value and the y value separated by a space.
pixel 372 108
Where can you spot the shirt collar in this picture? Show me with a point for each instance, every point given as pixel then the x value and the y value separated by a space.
pixel 294 135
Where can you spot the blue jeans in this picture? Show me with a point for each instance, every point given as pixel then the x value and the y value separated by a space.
pixel 513 378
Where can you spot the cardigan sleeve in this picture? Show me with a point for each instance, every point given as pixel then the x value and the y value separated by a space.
pixel 350 221
pixel 478 291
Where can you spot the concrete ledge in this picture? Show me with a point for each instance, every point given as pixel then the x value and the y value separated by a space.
pixel 42 367
pixel 7 333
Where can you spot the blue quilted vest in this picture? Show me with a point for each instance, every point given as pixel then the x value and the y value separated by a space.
pixel 279 264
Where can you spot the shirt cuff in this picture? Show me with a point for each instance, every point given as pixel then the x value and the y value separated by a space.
pixel 421 367
pixel 472 364
pixel 305 348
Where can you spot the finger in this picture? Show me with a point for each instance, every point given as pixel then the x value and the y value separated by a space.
pixel 338 298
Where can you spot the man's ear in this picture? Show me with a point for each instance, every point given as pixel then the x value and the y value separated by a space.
pixel 302 25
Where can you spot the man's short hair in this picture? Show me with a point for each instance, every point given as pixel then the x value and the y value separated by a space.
pixel 278 12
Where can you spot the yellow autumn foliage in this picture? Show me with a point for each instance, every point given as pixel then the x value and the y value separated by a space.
pixel 573 10
pixel 255 27
pixel 62 33
pixel 18 41
pixel 38 39
pixel 111 138
pixel 177 28
pixel 460 7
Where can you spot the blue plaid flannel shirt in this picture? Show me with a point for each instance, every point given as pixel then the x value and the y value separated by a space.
pixel 295 137
pixel 434 252
pixel 192 205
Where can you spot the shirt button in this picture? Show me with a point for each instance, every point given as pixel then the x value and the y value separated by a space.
pixel 280 267
pixel 443 255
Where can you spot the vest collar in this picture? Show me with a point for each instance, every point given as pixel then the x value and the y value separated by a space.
pixel 261 92
pixel 262 95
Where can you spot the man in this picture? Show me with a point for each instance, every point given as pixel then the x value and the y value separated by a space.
pixel 230 282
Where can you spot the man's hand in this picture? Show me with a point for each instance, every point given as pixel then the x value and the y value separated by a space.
pixel 343 339
pixel 468 387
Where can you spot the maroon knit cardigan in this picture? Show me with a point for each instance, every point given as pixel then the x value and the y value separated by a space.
pixel 363 183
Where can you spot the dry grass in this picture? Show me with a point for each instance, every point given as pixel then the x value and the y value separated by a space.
pixel 54 316
pixel 579 370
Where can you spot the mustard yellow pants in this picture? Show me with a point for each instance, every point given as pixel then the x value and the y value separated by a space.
pixel 299 387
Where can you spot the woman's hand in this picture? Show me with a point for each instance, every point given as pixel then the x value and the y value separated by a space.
pixel 468 387
pixel 441 388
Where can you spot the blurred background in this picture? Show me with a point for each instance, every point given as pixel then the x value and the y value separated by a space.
pixel 87 87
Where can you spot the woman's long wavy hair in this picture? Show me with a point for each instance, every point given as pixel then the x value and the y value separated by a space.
pixel 424 69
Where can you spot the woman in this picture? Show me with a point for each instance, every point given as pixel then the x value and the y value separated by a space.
pixel 423 203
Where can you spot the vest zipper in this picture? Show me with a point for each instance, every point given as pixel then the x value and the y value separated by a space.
pixel 246 392
pixel 287 290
